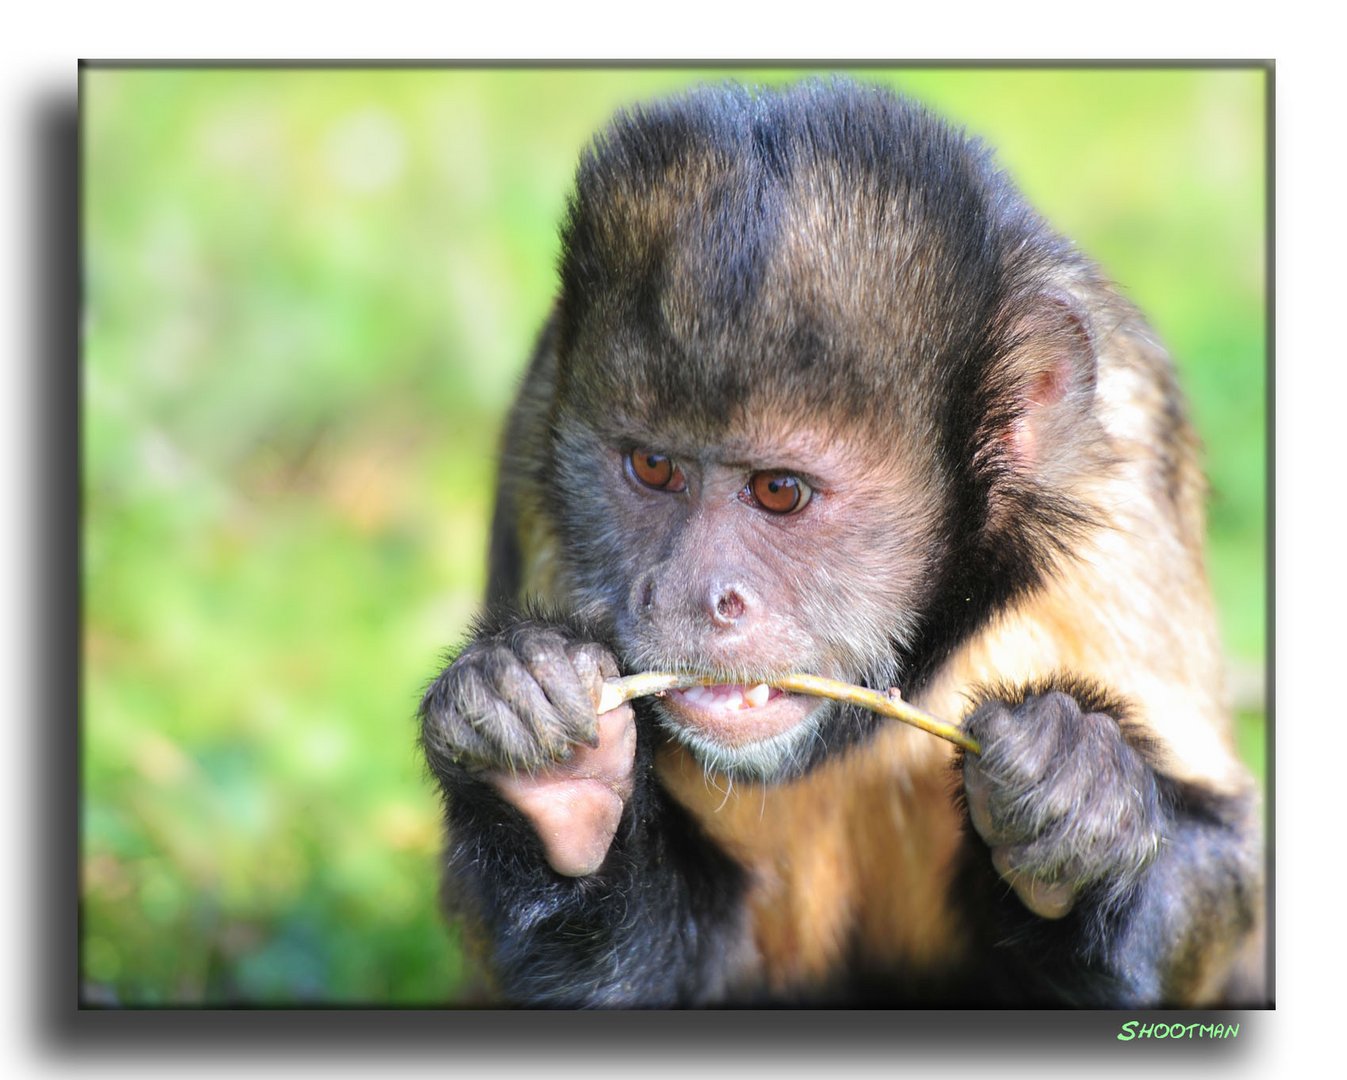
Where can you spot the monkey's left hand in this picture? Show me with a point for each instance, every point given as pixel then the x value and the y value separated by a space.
pixel 1061 798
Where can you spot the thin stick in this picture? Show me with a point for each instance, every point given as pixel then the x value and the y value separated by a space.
pixel 616 691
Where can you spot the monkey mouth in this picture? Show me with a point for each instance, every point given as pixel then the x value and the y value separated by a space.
pixel 735 715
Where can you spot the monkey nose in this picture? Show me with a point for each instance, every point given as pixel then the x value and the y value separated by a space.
pixel 726 606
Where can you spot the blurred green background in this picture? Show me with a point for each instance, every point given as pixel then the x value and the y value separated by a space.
pixel 308 297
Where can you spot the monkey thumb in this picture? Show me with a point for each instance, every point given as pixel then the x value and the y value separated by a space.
pixel 575 819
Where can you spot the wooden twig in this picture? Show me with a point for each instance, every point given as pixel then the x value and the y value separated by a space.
pixel 616 691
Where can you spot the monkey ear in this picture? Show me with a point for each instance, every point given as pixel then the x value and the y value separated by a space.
pixel 1047 381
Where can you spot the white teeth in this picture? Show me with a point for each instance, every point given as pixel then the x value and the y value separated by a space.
pixel 720 696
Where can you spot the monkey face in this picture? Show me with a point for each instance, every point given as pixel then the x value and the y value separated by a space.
pixel 758 551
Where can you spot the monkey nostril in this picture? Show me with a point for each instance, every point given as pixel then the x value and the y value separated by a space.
pixel 728 608
pixel 647 598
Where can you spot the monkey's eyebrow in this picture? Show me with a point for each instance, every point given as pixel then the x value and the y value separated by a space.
pixel 755 437
pixel 654 443
pixel 775 463
pixel 807 457
pixel 790 455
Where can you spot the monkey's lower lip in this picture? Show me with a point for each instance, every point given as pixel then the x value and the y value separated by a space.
pixel 735 715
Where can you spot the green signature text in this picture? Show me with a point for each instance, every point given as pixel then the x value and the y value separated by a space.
pixel 1135 1029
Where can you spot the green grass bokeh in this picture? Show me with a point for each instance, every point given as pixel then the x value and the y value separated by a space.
pixel 309 295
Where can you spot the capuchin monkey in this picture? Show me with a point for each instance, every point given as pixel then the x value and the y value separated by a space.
pixel 822 394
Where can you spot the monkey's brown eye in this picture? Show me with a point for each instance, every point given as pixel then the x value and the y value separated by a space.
pixel 656 471
pixel 779 493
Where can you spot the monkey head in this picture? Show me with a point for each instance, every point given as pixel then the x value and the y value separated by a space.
pixel 823 385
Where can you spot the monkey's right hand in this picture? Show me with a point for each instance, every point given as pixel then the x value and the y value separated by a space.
pixel 517 710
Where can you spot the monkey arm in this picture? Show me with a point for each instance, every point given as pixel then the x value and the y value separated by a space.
pixel 654 926
pixel 1127 887
pixel 1179 933
pixel 646 923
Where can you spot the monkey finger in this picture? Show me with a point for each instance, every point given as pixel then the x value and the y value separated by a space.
pixel 1046 899
pixel 592 664
pixel 610 761
pixel 574 807
pixel 979 794
pixel 546 658
pixel 543 654
pixel 449 741
pixel 529 726
pixel 977 797
pixel 552 664
pixel 576 820
pixel 448 733
pixel 614 756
